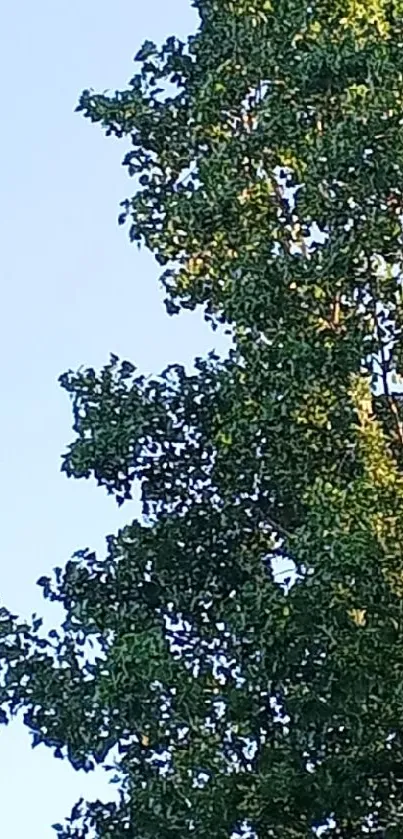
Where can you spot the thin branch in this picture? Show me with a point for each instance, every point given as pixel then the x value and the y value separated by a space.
pixel 278 527
pixel 286 571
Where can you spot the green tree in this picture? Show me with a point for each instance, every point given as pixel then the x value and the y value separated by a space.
pixel 290 448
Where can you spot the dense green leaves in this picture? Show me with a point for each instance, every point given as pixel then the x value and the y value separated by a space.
pixel 232 699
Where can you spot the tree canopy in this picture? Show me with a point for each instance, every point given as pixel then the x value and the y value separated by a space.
pixel 235 701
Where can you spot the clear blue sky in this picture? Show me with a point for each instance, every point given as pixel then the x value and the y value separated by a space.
pixel 73 290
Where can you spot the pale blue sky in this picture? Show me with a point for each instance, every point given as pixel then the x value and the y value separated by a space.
pixel 73 290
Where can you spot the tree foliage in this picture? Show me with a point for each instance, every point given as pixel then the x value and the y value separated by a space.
pixel 234 700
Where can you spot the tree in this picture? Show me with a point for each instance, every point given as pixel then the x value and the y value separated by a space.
pixel 291 447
